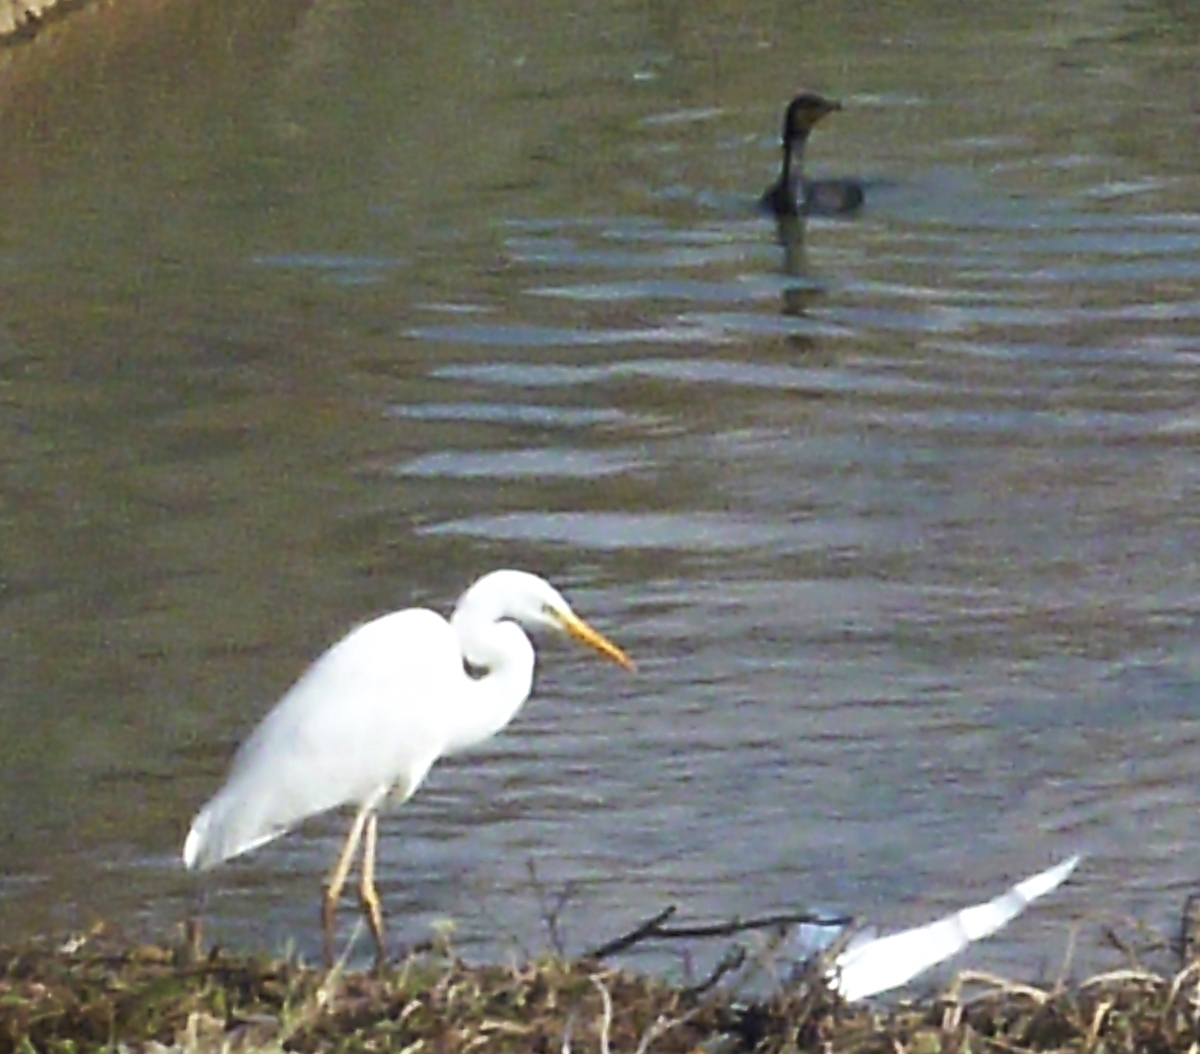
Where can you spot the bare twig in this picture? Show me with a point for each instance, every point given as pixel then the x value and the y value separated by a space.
pixel 1001 985
pixel 650 928
pixel 422 947
pixel 1064 971
pixel 1189 930
pixel 1098 1019
pixel 763 922
pixel 653 929
pixel 606 1021
pixel 661 1027
pixel 1122 977
pixel 1188 973
pixel 551 906
pixel 730 961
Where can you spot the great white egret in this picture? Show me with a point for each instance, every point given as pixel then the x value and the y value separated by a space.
pixel 370 717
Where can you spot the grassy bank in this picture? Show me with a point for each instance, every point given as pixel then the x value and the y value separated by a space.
pixel 22 18
pixel 101 993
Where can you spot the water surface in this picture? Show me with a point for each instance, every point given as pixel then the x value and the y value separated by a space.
pixel 357 303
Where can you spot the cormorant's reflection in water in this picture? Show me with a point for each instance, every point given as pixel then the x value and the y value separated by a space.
pixel 797 296
pixel 800 294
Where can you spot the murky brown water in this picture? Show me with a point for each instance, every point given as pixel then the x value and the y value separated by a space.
pixel 321 314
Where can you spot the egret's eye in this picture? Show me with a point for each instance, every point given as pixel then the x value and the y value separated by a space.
pixel 476 673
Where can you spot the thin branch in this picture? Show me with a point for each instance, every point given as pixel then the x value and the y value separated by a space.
pixel 653 929
pixel 730 961
pixel 650 928
pixel 764 922
pixel 1189 930
pixel 661 1027
pixel 551 906
pixel 606 1023
pixel 422 947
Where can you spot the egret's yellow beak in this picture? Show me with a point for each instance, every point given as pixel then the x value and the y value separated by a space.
pixel 575 627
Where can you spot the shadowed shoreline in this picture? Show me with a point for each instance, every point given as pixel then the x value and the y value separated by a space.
pixel 101 990
pixel 21 21
pixel 22 18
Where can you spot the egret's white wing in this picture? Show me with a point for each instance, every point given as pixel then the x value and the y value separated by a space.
pixel 872 966
pixel 342 734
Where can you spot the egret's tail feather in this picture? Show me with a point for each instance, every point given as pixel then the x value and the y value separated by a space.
pixel 220 833
pixel 193 845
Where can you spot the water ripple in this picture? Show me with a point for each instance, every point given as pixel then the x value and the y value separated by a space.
pixel 691 532
pixel 745 289
pixel 695 371
pixel 512 413
pixel 549 337
pixel 518 464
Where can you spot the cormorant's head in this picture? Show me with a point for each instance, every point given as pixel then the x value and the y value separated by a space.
pixel 803 112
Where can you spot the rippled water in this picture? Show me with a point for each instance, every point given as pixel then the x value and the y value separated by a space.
pixel 899 524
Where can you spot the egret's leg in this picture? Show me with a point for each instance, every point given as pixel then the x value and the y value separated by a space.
pixel 368 895
pixel 337 879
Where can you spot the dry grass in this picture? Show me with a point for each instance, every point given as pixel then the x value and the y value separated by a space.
pixel 22 17
pixel 101 993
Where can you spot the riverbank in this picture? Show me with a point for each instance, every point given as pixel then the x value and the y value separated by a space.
pixel 23 17
pixel 101 992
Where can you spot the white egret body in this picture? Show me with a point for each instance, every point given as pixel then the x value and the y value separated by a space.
pixel 370 717
pixel 870 965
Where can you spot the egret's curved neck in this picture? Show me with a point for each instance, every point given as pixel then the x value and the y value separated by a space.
pixel 506 656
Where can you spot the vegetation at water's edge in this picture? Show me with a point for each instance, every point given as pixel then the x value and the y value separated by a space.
pixel 99 993
pixel 24 17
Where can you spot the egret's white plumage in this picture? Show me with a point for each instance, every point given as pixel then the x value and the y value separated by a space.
pixel 870 965
pixel 372 714
pixel 345 733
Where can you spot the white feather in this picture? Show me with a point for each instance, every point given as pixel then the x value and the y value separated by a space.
pixel 875 965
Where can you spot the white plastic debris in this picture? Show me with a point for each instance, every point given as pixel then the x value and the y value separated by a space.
pixel 870 965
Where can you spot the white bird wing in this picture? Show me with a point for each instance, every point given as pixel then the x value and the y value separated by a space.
pixel 872 966
pixel 369 714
